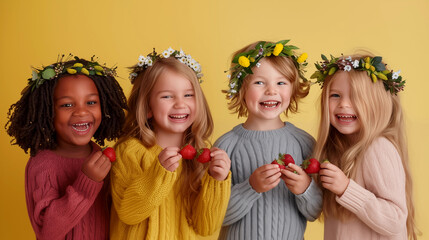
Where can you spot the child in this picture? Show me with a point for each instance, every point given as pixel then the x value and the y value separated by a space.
pixel 367 184
pixel 64 105
pixel 156 194
pixel 265 82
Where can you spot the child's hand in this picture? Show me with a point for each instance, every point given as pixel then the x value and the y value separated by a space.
pixel 169 158
pixel 220 164
pixel 265 178
pixel 333 178
pixel 97 166
pixel 296 180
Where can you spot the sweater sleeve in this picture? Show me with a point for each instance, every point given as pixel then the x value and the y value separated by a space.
pixel 52 213
pixel 211 204
pixel 139 183
pixel 381 203
pixel 310 202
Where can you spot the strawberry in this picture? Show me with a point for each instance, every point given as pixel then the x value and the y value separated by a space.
pixel 279 162
pixel 203 155
pixel 110 153
pixel 188 152
pixel 287 158
pixel 311 166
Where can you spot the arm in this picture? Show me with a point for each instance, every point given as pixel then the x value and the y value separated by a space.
pixel 53 215
pixel 139 183
pixel 211 204
pixel 381 204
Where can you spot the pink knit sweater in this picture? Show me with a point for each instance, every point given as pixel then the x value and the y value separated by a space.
pixel 376 197
pixel 62 202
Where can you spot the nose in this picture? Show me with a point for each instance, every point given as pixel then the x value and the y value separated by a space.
pixel 81 110
pixel 271 90
pixel 345 102
pixel 179 102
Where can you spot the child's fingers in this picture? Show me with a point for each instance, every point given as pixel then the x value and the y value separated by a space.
pixel 172 162
pixel 94 157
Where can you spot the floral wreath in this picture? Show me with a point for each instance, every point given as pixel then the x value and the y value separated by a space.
pixel 247 60
pixel 372 65
pixel 89 68
pixel 149 60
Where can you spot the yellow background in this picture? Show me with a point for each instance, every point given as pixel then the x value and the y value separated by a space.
pixel 32 33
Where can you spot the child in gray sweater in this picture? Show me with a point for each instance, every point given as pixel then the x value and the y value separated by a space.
pixel 264 83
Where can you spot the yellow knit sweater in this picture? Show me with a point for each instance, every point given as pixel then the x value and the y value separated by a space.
pixel 145 204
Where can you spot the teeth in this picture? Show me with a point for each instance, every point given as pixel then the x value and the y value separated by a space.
pixel 179 116
pixel 346 118
pixel 80 127
pixel 270 104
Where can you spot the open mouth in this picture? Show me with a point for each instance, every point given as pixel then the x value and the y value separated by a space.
pixel 81 127
pixel 179 116
pixel 269 104
pixel 346 117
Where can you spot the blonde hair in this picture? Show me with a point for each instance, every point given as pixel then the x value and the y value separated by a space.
pixel 286 67
pixel 137 125
pixel 380 115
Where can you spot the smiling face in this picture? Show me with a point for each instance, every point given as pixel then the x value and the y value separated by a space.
pixel 172 104
pixel 77 111
pixel 342 114
pixel 267 96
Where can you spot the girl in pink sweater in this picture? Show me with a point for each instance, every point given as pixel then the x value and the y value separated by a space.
pixel 64 105
pixel 367 183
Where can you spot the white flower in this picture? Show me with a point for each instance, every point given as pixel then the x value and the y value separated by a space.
pixel 232 85
pixel 35 75
pixel 192 63
pixel 200 75
pixel 233 91
pixel 166 54
pixel 133 75
pixel 195 67
pixel 180 54
pixel 170 50
pixel 149 61
pixel 349 58
pixel 142 58
pixel 140 64
pixel 258 64
pixel 356 63
pixel 182 60
pixel 228 76
pixel 347 68
pixel 395 75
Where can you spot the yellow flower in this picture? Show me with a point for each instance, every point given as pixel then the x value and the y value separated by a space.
pixel 71 70
pixel 367 59
pixel 278 49
pixel 367 65
pixel 99 73
pixel 84 71
pixel 99 68
pixel 252 59
pixel 382 76
pixel 372 68
pixel 332 70
pixel 78 65
pixel 374 78
pixel 302 58
pixel 243 61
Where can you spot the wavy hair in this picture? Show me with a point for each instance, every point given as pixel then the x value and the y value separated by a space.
pixel 286 67
pixel 380 115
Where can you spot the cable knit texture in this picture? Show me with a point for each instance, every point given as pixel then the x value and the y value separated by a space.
pixel 145 201
pixel 62 202
pixel 278 213
pixel 376 197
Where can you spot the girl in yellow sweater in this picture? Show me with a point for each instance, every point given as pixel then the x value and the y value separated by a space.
pixel 156 194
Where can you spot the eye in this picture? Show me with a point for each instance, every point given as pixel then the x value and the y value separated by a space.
pixel 66 105
pixel 189 95
pixel 282 83
pixel 91 102
pixel 334 95
pixel 167 96
pixel 258 83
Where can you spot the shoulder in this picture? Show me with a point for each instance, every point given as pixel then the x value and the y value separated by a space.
pixel 228 137
pixel 43 161
pixel 299 134
pixel 382 153
pixel 131 144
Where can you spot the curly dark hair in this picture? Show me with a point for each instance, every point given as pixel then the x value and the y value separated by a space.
pixel 31 118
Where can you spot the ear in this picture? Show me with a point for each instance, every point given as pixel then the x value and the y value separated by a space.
pixel 149 114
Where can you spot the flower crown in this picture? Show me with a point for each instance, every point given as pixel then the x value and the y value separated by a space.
pixel 372 65
pixel 62 66
pixel 149 60
pixel 247 60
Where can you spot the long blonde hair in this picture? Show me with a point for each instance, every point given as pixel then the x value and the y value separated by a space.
pixel 137 125
pixel 380 115
pixel 286 67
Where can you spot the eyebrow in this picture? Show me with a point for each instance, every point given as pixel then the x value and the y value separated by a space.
pixel 89 95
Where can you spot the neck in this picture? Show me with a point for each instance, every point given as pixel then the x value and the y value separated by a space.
pixel 169 140
pixel 74 151
pixel 263 124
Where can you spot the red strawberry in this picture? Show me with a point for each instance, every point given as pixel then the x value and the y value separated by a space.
pixel 203 155
pixel 311 166
pixel 110 153
pixel 188 152
pixel 287 158
pixel 279 162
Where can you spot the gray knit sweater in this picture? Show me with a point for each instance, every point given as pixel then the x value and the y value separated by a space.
pixel 278 213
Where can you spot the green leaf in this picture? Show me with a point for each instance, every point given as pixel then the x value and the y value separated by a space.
pixel 235 60
pixel 48 73
pixel 283 42
pixel 316 75
pixel 324 57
